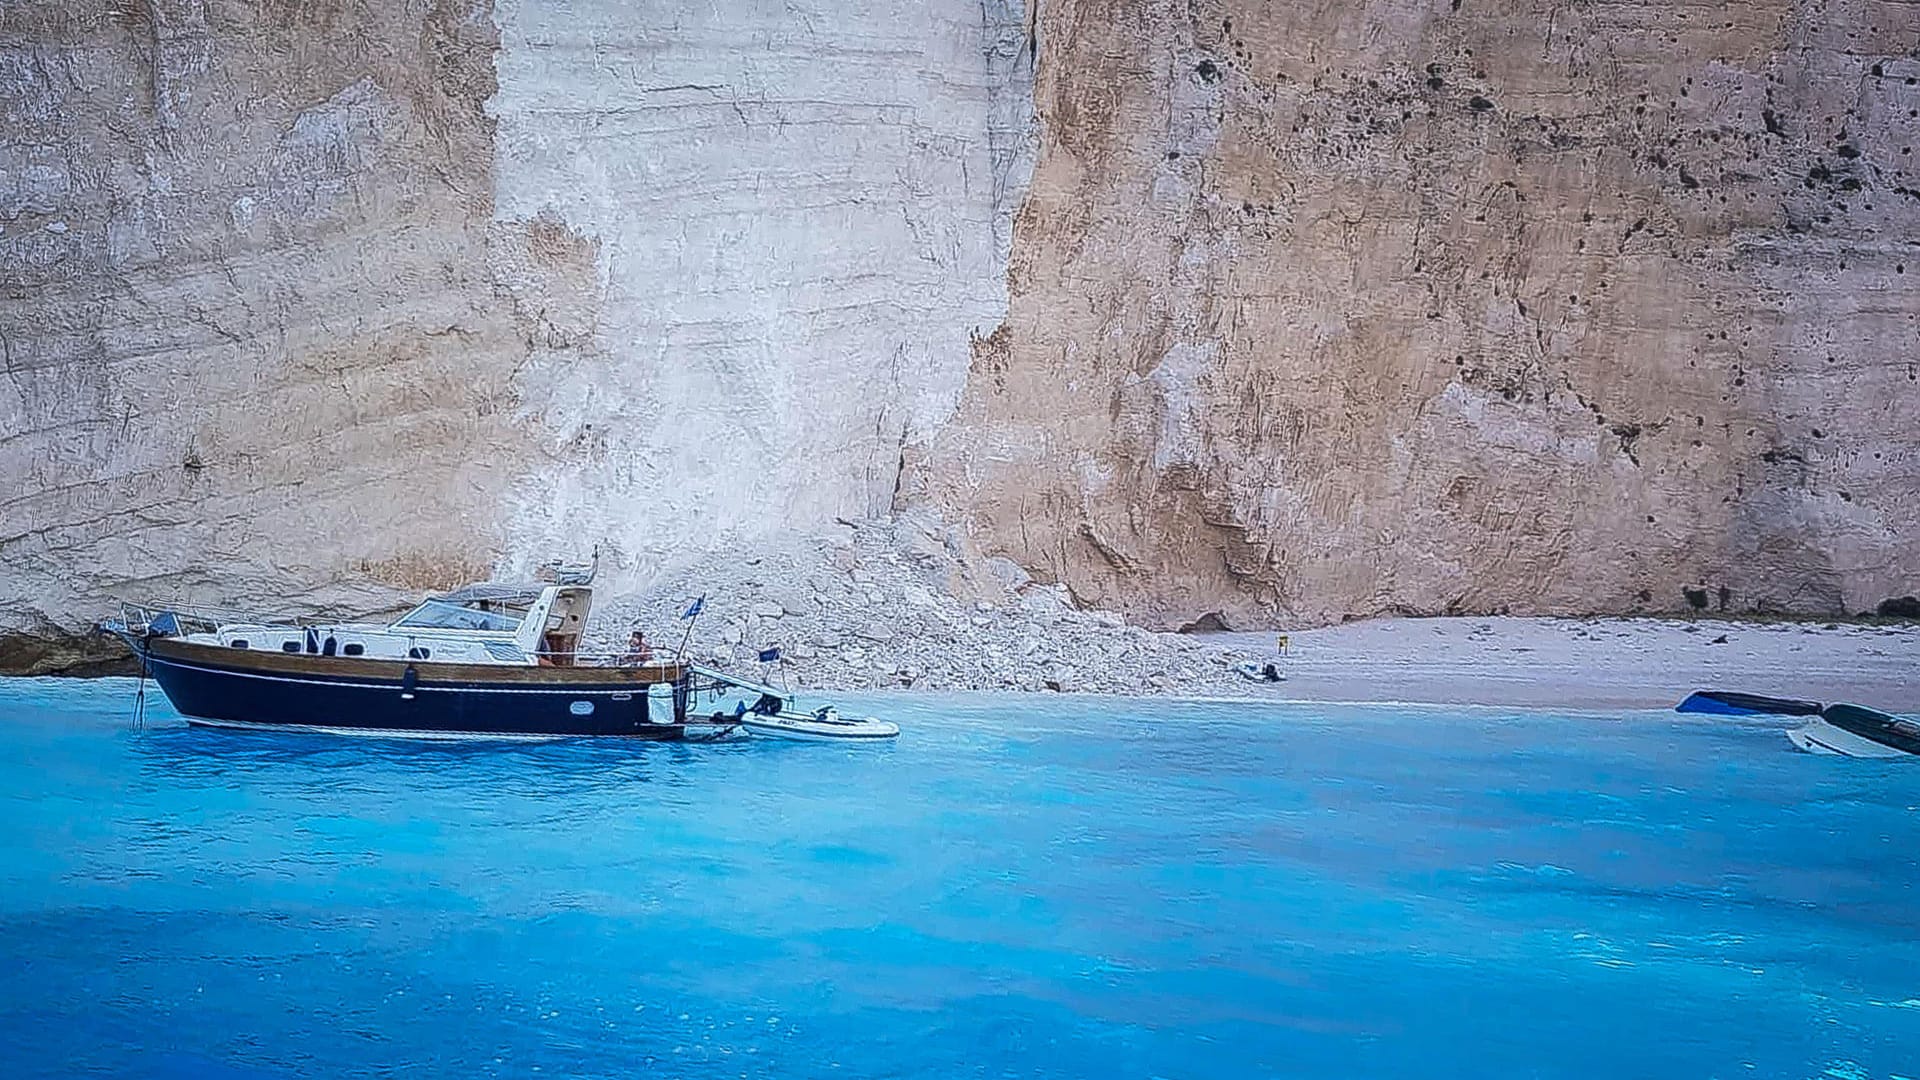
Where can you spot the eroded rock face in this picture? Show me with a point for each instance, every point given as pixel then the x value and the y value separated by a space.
pixel 1307 312
pixel 310 304
pixel 800 214
pixel 1331 311
pixel 251 348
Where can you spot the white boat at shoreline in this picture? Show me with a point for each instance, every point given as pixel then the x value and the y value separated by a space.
pixel 1857 731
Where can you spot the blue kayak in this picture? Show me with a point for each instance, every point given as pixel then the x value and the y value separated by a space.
pixel 1732 703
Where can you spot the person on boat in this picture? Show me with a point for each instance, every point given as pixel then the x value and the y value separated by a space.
pixel 638 650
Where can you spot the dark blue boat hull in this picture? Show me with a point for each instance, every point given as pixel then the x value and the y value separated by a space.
pixel 408 700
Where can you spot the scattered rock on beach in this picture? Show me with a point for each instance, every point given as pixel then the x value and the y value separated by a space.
pixel 891 604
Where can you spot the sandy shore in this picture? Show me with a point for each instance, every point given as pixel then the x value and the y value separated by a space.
pixel 1593 663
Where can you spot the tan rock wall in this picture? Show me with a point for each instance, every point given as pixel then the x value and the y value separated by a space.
pixel 1335 309
pixel 305 303
pixel 251 351
pixel 1309 311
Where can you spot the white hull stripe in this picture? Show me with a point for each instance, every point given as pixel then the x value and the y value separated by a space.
pixel 385 733
pixel 693 732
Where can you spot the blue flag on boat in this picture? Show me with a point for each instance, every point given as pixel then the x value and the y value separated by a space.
pixel 768 656
pixel 694 608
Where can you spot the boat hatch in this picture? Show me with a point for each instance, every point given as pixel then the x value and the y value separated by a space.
pixel 563 613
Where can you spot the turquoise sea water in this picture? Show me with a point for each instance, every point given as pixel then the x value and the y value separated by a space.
pixel 1034 886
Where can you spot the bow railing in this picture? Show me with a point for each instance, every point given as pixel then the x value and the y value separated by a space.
pixel 140 616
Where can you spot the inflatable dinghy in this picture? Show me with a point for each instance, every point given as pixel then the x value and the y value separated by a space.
pixel 1730 703
pixel 1267 672
pixel 1854 731
pixel 822 723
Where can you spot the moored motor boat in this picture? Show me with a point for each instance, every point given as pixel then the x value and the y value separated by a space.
pixel 486 660
pixel 1857 731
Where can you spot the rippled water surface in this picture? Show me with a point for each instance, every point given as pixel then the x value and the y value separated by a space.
pixel 1018 887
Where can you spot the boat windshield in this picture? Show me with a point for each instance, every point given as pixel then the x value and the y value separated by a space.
pixel 441 615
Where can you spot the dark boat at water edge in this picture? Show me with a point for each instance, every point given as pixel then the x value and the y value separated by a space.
pixel 1840 728
pixel 211 684
pixel 1734 703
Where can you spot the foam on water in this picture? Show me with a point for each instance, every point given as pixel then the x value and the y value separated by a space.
pixel 1044 886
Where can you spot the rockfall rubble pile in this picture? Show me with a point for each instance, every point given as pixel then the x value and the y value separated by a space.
pixel 893 604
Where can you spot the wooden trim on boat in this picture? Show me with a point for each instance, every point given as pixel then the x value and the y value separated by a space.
pixel 426 671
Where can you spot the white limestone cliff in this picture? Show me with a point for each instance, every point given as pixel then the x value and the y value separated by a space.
pixel 796 218
pixel 312 304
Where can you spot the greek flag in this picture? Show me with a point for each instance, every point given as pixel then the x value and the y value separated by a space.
pixel 768 656
pixel 694 608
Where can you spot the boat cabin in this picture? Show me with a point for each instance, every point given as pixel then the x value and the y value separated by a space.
pixel 486 623
pixel 543 620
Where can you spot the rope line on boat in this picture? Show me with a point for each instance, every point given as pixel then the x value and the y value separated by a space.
pixel 140 695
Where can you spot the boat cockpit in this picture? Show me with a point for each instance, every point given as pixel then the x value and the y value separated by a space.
pixel 545 622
